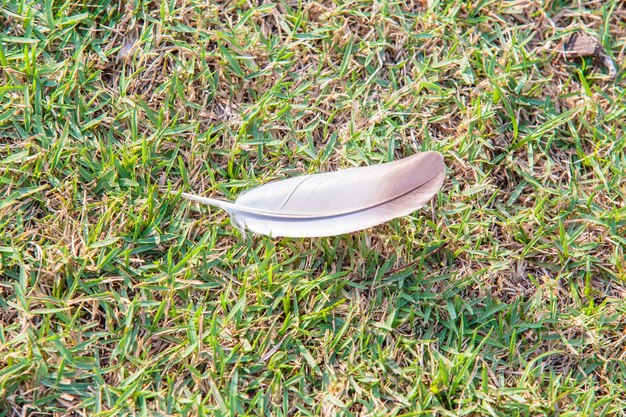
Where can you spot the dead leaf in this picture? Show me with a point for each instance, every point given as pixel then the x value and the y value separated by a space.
pixel 581 45
pixel 126 51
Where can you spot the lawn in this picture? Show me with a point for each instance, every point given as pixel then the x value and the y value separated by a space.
pixel 504 296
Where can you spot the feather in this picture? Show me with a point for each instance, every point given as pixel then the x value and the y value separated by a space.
pixel 337 202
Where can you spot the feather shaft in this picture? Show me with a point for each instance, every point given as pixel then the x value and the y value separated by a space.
pixel 224 205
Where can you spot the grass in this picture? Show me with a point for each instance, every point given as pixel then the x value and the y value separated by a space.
pixel 505 297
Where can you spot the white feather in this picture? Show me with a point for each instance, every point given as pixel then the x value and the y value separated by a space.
pixel 336 202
